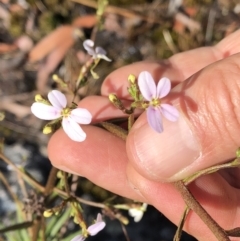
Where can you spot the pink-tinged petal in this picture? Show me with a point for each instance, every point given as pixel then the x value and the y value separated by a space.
pixel 73 129
pixel 95 228
pixel 101 54
pixel 45 112
pixel 88 46
pixel 154 119
pixel 169 112
pixel 99 218
pixel 57 99
pixel 100 50
pixel 163 87
pixel 147 85
pixel 78 238
pixel 81 116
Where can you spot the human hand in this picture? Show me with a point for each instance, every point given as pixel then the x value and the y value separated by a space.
pixel 206 93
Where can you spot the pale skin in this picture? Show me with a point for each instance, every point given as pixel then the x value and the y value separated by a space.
pixel 209 101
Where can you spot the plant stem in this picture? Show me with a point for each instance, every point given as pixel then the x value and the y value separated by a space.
pixel 51 181
pixel 67 189
pixel 27 178
pixel 231 164
pixel 178 234
pixel 194 205
pixel 47 190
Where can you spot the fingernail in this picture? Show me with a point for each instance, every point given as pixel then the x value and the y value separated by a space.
pixel 163 155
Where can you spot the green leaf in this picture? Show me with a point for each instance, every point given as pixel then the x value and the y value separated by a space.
pixel 56 223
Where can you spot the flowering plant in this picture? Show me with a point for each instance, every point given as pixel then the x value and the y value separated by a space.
pixel 56 109
pixel 153 94
pixel 148 148
pixel 146 95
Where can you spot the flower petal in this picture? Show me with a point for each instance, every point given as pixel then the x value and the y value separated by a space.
pixel 101 54
pixel 78 238
pixel 154 119
pixel 96 227
pixel 99 218
pixel 45 112
pixel 136 214
pixel 88 46
pixel 81 116
pixel 57 99
pixel 163 87
pixel 73 129
pixel 169 112
pixel 147 85
pixel 100 50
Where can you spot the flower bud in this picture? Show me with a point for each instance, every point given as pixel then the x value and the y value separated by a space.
pixel 75 219
pixel 38 98
pixel 58 80
pixel 2 115
pixel 116 102
pixel 47 129
pixel 132 79
pixel 238 152
pixel 59 174
pixel 48 213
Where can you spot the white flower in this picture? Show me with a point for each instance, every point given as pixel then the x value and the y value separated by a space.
pixel 154 94
pixel 97 53
pixel 137 213
pixel 92 229
pixel 71 118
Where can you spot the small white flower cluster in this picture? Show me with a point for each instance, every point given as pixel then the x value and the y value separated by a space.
pixel 137 213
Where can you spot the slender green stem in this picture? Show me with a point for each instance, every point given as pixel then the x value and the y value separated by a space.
pixel 7 185
pixel 81 200
pixel 27 178
pixel 234 163
pixel 35 184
